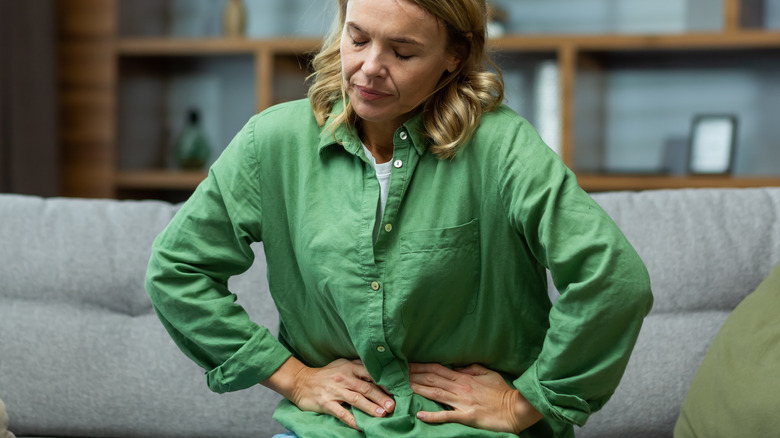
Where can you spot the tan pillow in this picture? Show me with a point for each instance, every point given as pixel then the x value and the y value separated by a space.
pixel 736 390
pixel 4 432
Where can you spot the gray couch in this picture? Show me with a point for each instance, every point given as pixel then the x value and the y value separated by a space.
pixel 82 353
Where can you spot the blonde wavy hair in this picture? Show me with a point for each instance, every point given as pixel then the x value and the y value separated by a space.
pixel 452 112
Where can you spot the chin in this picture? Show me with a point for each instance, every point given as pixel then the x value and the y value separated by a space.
pixel 370 114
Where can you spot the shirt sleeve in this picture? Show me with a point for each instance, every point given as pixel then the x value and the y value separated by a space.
pixel 206 243
pixel 604 285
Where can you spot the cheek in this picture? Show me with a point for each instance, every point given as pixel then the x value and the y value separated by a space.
pixel 421 83
pixel 344 56
pixel 348 66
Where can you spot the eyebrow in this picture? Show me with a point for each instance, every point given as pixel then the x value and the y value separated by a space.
pixel 397 39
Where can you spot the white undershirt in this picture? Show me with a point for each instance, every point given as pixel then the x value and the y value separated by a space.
pixel 383 171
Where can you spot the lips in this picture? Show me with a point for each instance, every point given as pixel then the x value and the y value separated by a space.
pixel 371 94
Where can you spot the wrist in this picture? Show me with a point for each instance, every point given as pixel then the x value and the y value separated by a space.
pixel 286 378
pixel 522 413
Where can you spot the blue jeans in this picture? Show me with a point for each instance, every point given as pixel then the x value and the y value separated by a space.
pixel 285 435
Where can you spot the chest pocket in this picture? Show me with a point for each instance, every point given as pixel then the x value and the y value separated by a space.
pixel 440 271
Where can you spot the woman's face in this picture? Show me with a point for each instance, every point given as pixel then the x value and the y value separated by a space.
pixel 393 54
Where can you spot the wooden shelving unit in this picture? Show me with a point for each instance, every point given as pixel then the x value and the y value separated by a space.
pixel 270 57
pixel 93 56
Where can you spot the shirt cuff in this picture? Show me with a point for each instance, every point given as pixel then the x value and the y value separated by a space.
pixel 254 362
pixel 561 407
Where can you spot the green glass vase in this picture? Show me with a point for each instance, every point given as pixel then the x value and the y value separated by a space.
pixel 191 150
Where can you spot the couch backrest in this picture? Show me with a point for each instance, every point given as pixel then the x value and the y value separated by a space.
pixel 79 252
pixel 705 249
pixel 92 252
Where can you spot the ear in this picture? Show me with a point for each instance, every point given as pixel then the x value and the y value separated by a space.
pixel 452 63
pixel 455 58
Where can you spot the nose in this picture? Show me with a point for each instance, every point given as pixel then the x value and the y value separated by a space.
pixel 373 64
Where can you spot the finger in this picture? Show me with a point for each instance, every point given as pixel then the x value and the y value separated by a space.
pixel 360 370
pixel 343 414
pixel 380 395
pixel 439 417
pixel 432 380
pixel 369 398
pixel 433 368
pixel 473 370
pixel 436 394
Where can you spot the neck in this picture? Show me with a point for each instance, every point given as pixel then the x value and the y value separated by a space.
pixel 378 138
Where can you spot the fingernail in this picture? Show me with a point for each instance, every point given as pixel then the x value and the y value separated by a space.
pixel 380 411
pixel 389 405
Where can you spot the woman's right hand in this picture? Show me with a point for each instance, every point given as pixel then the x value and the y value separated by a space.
pixel 326 390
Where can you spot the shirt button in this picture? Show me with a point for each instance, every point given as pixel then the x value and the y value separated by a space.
pixel 380 349
pixel 375 285
pixel 403 135
pixel 389 227
pixel 398 164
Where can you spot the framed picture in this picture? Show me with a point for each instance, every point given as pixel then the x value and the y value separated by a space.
pixel 713 139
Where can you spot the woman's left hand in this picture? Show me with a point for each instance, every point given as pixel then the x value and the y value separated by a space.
pixel 478 396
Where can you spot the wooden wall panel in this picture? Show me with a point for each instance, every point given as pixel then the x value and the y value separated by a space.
pixel 88 77
pixel 88 18
pixel 731 15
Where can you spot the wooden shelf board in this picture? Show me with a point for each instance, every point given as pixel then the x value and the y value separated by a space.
pixel 688 41
pixel 294 46
pixel 187 180
pixel 211 46
pixel 691 41
pixel 184 46
pixel 605 183
pixel 159 179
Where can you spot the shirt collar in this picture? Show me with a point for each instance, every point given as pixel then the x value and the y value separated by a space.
pixel 347 137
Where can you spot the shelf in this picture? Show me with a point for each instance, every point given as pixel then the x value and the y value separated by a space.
pixel 605 183
pixel 159 179
pixel 215 46
pixel 211 46
pixel 704 40
pixel 622 99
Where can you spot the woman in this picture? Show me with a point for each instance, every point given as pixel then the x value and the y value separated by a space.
pixel 407 220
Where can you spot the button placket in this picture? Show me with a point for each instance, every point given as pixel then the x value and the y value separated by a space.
pixel 403 163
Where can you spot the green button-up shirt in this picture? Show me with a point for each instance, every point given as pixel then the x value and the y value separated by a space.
pixel 457 274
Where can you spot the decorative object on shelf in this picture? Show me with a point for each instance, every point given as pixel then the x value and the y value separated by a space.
pixel 547 106
pixel 192 18
pixel 191 150
pixel 675 156
pixel 713 139
pixel 496 21
pixel 234 19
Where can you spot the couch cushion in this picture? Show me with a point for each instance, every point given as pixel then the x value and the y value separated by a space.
pixel 88 372
pixel 736 391
pixel 647 401
pixel 705 249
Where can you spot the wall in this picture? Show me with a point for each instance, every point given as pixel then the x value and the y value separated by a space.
pixel 29 159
